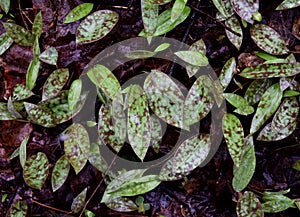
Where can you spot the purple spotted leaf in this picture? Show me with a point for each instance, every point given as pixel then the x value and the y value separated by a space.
pixel 165 98
pixel 177 9
pixel 249 206
pixel 18 209
pixel 156 133
pixel 244 110
pixel 235 100
pixel 60 173
pixel 78 12
pixel 39 115
pixel 49 56
pixel 229 10
pixel 21 92
pixel 55 82
pixel 189 155
pixel 285 82
pixel 5 42
pixel 245 8
pixel 220 5
pixel 192 57
pixel 200 47
pixel 96 26
pixel 35 170
pixel 227 72
pixel 149 16
pixel 268 133
pixel 256 90
pixel 77 146
pixel 234 137
pixel 122 204
pixel 267 39
pixel 199 101
pixel 79 201
pixel 288 4
pixel 19 34
pixel 37 26
pixel 267 106
pixel 234 24
pixel 138 121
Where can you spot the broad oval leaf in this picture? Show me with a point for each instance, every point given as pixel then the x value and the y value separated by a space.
pixel 5 5
pixel 245 8
pixel 35 170
pixel 39 115
pixel 234 24
pixel 192 57
pixel 269 134
pixel 5 42
pixel 177 9
pixel 229 10
pixel 140 54
pixel 234 136
pixel 60 173
pixel 275 202
pixel 267 106
pixel 32 73
pixel 162 47
pixel 165 98
pixel 74 94
pixel 256 90
pixel 77 146
pixel 190 154
pixel 268 39
pixel 37 27
pixel 244 173
pixel 55 82
pixel 49 56
pixel 122 204
pixel 199 101
pixel 149 16
pixel 21 92
pixel 79 12
pixel 244 110
pixel 18 209
pixel 79 201
pixel 23 151
pixel 249 206
pixel 288 4
pixel 235 100
pixel 19 34
pixel 96 26
pixel 227 72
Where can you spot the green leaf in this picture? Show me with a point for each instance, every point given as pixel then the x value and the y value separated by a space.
pixel 266 56
pixel 55 82
pixel 165 98
pixel 32 73
pixel 268 39
pixel 192 57
pixel 74 94
pixel 244 110
pixel 103 78
pixel 79 12
pixel 60 173
pixel 79 201
pixel 11 108
pixel 22 151
pixel 5 5
pixel 288 4
pixel 140 54
pixel 234 24
pixel 49 56
pixel 18 209
pixel 249 206
pixel 244 173
pixel 5 42
pixel 256 90
pixel 4 112
pixel 96 159
pixel 235 100
pixel 162 47
pixel 234 136
pixel 19 34
pixel 199 101
pixel 227 72
pixel 35 170
pixel 290 93
pixel 138 122
pixel 268 133
pixel 218 92
pixel 274 203
pixel 77 146
pixel 200 47
pixel 122 204
pixel 246 8
pixel 149 16
pixel 177 9
pixel 190 154
pixel 226 8
pixel 159 2
pixel 96 26
pixel 296 165
pixel 37 26
pixel 39 115
pixel 15 153
pixel 221 8
pixel 267 106
pixel 21 92
pixel 88 213
pixel 156 133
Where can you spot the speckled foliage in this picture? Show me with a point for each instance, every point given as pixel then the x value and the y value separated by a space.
pixel 96 26
pixel 79 201
pixel 35 170
pixel 288 4
pixel 268 39
pixel 122 204
pixel 21 92
pixel 192 57
pixel 149 16
pixel 190 154
pixel 39 115
pixel 277 202
pixel 19 34
pixel 201 48
pixel 165 98
pixel 156 133
pixel 268 133
pixel 256 90
pixel 96 159
pixel 74 94
pixel 245 8
pixel 77 146
pixel 199 101
pixel 177 9
pixel 60 172
pixel 229 11
pixel 37 27
pixel 18 209
pixel 227 72
pixel 138 121
pixel 234 24
pixel 78 12
pixel 249 206
pixel 49 56
pixel 219 4
pixel 267 106
pixel 234 136
pixel 5 42
pixel 235 100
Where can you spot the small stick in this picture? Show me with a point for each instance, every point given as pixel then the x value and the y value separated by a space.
pixel 49 207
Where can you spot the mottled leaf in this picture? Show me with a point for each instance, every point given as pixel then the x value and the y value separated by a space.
pixel 156 133
pixel 79 12
pixel 55 82
pixel 245 8
pixel 39 115
pixel 11 108
pixel 177 9
pixel 35 170
pixel 234 136
pixel 249 206
pixel 4 113
pixel 21 92
pixel 234 24
pixel 5 5
pixel 244 110
pixel 79 201
pixel 18 209
pixel 74 94
pixel 23 151
pixel 96 26
pixel 140 54
pixel 285 82
pixel 196 46
pixel 159 2
pixel 149 16
pixel 138 121
pixel 193 57
pixel 229 11
pixel 19 34
pixel 165 98
pixel 5 42
pixel 32 73
pixel 274 203
pixel 37 26
pixel 268 39
pixel 256 90
pixel 288 4
pixel 122 204
pixel 199 101
pixel 218 92
pixel 219 4
pixel 268 133
pixel 49 56
pixel 60 173
pixel 96 159
pixel 235 100
pixel 77 146
pixel 227 72
pixel 267 106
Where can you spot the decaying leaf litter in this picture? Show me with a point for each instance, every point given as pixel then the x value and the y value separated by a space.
pixel 273 161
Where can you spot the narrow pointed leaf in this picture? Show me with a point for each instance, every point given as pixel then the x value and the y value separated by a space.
pixel 49 56
pixel 60 173
pixel 234 24
pixel 77 146
pixel 18 209
pixel 290 93
pixel 249 206
pixel 79 12
pixel 122 204
pixel 198 46
pixel 37 26
pixel 149 16
pixel 96 159
pixel 162 47
pixel 5 42
pixel 274 203
pixel 244 110
pixel 227 72
pixel 140 54
pixel 32 73
pixel 288 4
pixel 35 170
pixel 79 201
pixel 193 57
pixel 234 136
pixel 21 92
pixel 235 100
pixel 23 151
pixel 74 94
pixel 96 26
pixel 256 90
pixel 19 34
pixel 55 82
pixel 159 2
pixel 266 107
pixel 156 133
pixel 245 8
pixel 177 9
pixel 269 134
pixel 5 5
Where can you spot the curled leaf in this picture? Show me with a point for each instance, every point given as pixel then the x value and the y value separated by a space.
pixel 23 151
pixel 159 2
pixel 79 12
pixel 245 8
pixel 249 206
pixel 276 202
pixel 140 54
pixel 60 173
pixel 200 47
